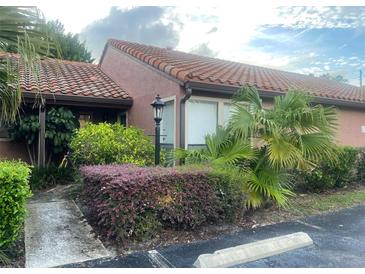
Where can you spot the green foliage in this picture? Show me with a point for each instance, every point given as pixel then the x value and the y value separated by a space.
pixel 22 29
pixel 60 125
pixel 4 259
pixel 260 145
pixel 293 133
pixel 14 191
pixel 360 167
pixel 330 174
pixel 69 44
pixel 46 177
pixel 147 226
pixel 232 191
pixel 10 95
pixel 26 129
pixel 111 143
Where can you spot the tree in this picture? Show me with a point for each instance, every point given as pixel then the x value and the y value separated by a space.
pixel 339 78
pixel 261 145
pixel 23 29
pixel 70 46
pixel 60 125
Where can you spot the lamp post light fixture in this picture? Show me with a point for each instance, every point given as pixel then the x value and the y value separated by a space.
pixel 157 105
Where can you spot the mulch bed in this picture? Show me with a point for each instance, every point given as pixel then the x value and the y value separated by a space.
pixel 267 215
pixel 168 236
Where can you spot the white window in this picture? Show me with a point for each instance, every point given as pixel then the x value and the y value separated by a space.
pixel 168 125
pixel 202 120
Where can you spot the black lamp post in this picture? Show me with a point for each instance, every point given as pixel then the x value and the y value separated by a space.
pixel 157 105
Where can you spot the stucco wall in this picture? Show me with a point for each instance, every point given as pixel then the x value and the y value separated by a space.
pixel 349 125
pixel 350 122
pixel 13 151
pixel 142 83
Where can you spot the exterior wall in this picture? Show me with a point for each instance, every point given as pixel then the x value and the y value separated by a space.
pixel 350 122
pixel 143 84
pixel 13 151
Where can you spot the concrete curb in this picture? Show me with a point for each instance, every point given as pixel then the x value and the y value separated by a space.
pixel 253 251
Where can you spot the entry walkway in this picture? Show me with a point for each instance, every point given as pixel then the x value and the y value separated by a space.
pixel 57 234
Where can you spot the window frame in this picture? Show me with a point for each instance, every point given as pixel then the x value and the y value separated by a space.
pixel 172 99
pixel 119 118
pixel 220 112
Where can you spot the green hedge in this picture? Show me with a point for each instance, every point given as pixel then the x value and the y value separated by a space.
pixel 111 144
pixel 14 191
pixel 330 174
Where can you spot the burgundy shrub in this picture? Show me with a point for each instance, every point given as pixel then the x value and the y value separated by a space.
pixel 119 196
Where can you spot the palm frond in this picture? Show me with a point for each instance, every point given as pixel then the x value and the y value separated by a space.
pixel 266 183
pixel 282 153
pixel 10 94
pixel 4 260
pixel 241 121
pixel 249 95
pixel 22 29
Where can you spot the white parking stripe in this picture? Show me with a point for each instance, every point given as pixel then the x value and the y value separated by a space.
pixel 310 225
pixel 159 260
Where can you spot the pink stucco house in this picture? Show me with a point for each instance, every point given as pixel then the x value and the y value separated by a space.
pixel 196 90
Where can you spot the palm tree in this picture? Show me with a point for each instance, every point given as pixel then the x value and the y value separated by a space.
pixel 23 30
pixel 260 145
pixel 293 133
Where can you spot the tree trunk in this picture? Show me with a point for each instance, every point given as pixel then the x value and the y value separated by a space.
pixel 42 140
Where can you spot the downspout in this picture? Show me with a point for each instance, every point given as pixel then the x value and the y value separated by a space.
pixel 188 92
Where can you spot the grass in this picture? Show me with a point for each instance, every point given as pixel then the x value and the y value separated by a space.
pixel 317 203
pixel 312 204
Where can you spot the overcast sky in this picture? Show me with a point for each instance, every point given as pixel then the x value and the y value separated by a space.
pixel 299 39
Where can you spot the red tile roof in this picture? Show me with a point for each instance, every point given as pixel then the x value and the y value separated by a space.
pixel 198 69
pixel 61 77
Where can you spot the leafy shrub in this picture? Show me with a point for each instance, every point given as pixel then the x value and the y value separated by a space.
pixel 106 144
pixel 360 166
pixel 60 125
pixel 14 191
pixel 130 201
pixel 231 192
pixel 330 174
pixel 45 177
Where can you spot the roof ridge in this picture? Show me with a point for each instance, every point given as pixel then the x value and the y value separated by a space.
pixel 128 44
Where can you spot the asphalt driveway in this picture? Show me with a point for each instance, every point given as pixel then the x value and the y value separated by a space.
pixel 339 241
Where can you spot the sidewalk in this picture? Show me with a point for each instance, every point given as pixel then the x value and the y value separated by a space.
pixel 57 234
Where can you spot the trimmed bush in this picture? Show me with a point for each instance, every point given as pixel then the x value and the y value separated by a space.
pixel 111 144
pixel 330 174
pixel 46 177
pixel 14 191
pixel 360 167
pixel 130 201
